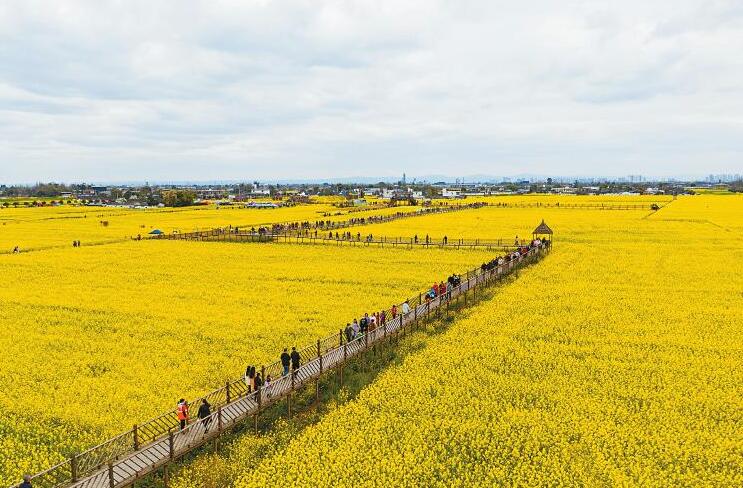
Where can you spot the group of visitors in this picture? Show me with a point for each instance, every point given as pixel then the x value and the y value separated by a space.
pixel 443 288
pixel 306 227
pixel 204 413
pixel 367 323
pixel 515 254
pixel 293 360
pixel 75 243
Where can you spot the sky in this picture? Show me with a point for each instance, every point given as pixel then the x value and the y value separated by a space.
pixel 107 91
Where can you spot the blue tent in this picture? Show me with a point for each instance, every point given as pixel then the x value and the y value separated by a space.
pixel 157 232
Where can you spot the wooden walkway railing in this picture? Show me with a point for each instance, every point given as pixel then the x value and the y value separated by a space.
pixel 120 461
pixel 586 206
pixel 328 225
pixel 225 235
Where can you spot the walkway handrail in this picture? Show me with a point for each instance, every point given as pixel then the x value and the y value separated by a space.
pixel 593 206
pixel 159 429
pixel 327 225
pixel 300 238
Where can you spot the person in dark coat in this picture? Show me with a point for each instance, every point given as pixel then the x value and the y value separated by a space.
pixel 295 359
pixel 26 482
pixel 250 378
pixel 204 413
pixel 285 361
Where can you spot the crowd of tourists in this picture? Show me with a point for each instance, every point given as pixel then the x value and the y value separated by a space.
pixel 308 228
pixel 520 250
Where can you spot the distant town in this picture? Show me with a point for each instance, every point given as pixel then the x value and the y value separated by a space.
pixel 257 194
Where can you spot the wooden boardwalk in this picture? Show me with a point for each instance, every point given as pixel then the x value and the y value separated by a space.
pixel 295 227
pixel 132 455
pixel 225 235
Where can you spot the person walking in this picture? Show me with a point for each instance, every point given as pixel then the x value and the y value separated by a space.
pixel 250 378
pixel 405 308
pixel 182 412
pixel 258 381
pixel 393 310
pixel 295 359
pixel 348 332
pixel 364 323
pixel 26 481
pixel 204 414
pixel 285 361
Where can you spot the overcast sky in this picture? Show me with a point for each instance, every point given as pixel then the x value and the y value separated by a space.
pixel 258 89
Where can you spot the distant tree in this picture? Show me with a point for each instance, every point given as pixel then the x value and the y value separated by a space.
pixel 178 198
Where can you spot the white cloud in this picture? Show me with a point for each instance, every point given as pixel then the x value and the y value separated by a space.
pixel 258 89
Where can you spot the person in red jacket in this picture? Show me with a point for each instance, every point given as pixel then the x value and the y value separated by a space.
pixel 182 412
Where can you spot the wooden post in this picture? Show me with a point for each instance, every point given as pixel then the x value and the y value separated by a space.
pixel 111 481
pixel 340 338
pixel 340 370
pixel 319 356
pixel 73 467
pixel 170 444
pixel 227 391
pixel 135 432
pixel 289 398
pixel 166 475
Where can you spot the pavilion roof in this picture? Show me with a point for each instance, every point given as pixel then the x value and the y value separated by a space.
pixel 542 229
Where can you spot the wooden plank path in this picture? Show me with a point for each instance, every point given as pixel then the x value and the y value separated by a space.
pixel 225 235
pixel 584 206
pixel 132 455
pixel 328 225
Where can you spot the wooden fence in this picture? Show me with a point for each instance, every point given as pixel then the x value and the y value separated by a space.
pixel 122 460
pixel 226 235
pixel 586 206
pixel 328 225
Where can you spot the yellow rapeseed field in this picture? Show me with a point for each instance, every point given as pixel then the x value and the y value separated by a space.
pixel 42 228
pixel 98 338
pixel 618 360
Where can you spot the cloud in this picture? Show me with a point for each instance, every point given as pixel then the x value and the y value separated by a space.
pixel 259 89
